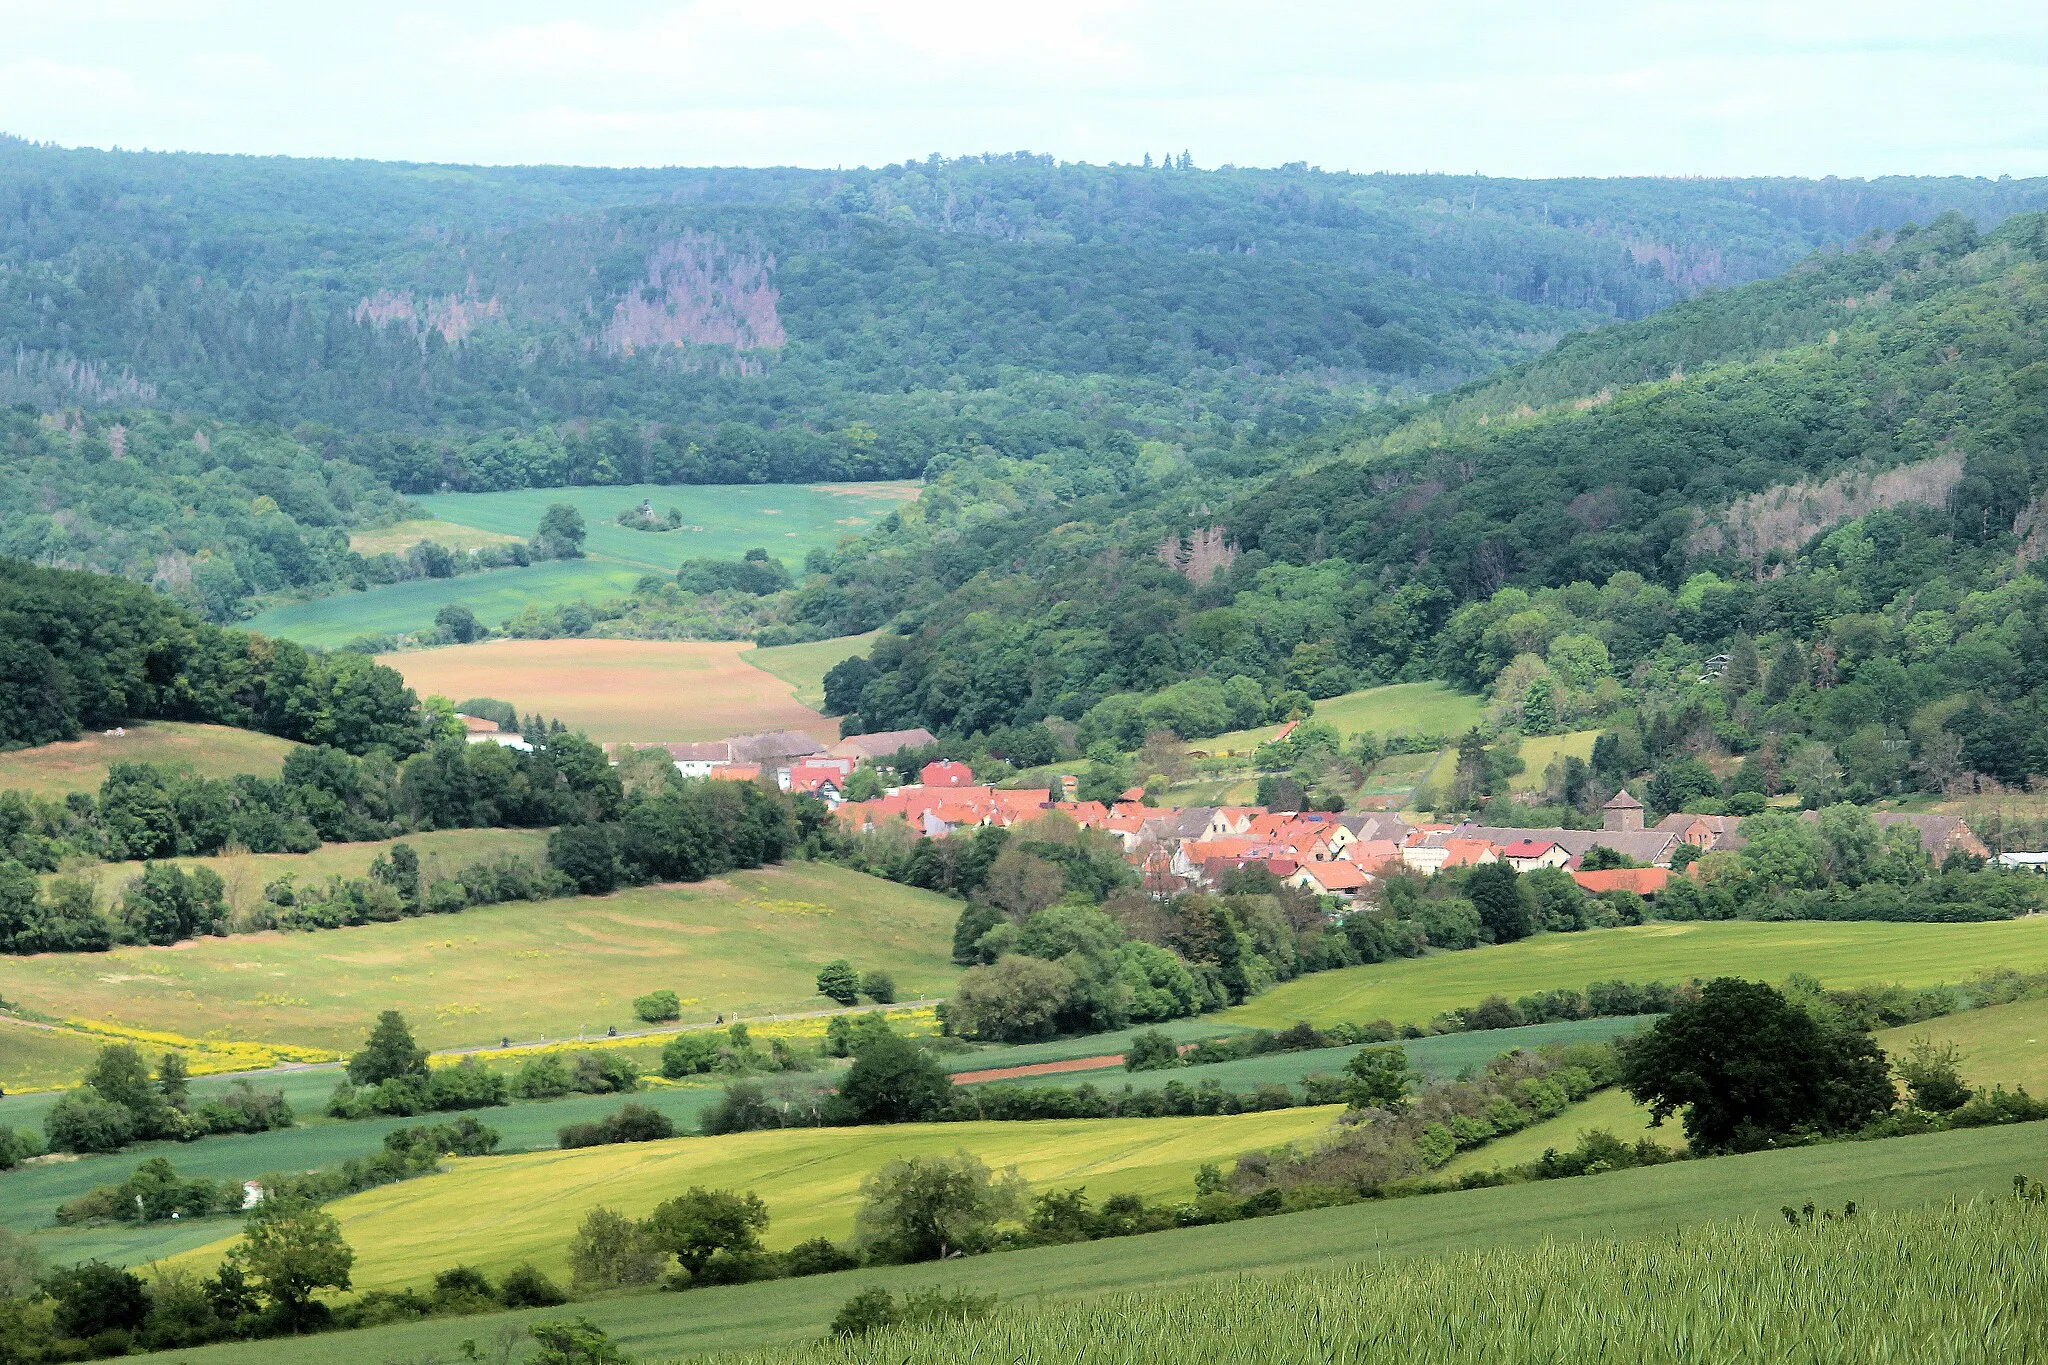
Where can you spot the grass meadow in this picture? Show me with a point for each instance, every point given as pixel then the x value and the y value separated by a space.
pixel 53 771
pixel 34 1058
pixel 724 522
pixel 644 691
pixel 1892 1177
pixel 750 943
pixel 494 1212
pixel 1415 989
pixel 804 667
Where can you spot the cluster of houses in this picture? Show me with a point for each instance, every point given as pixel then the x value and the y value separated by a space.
pixel 1178 848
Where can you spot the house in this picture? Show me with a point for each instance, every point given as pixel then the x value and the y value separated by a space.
pixel 1940 835
pixel 476 727
pixel 946 773
pixel 825 780
pixel 1644 881
pixel 1442 851
pixel 1230 820
pixel 1526 855
pixel 1707 833
pixel 774 748
pixel 2031 862
pixel 1652 846
pixel 1345 879
pixel 697 760
pixel 882 743
pixel 1376 856
pixel 736 772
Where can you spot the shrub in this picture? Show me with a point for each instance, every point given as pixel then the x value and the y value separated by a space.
pixel 603 1073
pixel 879 987
pixel 632 1123
pixel 1152 1050
pixel 657 1007
pixel 84 1121
pixel 542 1078
pixel 526 1287
pixel 689 1054
pixel 818 1256
pixel 610 1250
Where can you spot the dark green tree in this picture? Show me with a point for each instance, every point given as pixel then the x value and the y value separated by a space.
pixel 1747 1067
pixel 892 1080
pixel 560 534
pixel 95 1299
pixel 290 1251
pixel 927 1208
pixel 1496 890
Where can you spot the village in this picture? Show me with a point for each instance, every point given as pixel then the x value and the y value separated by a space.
pixel 1176 848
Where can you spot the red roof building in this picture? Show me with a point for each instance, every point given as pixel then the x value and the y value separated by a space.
pixel 946 773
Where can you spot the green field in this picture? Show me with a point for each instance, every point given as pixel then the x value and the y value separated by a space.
pixel 406 608
pixel 494 1212
pixel 787 520
pixel 1415 989
pixel 1430 708
pixel 804 667
pixel 751 942
pixel 1444 1055
pixel 1900 1174
pixel 53 771
pixel 30 1195
pixel 443 853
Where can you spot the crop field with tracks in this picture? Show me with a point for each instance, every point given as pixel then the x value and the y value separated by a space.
pixel 644 691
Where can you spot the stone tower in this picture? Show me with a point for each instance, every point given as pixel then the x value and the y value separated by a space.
pixel 1624 812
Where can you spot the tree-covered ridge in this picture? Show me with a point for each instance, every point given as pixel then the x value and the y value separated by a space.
pixel 83 651
pixel 211 514
pixel 1349 568
pixel 465 324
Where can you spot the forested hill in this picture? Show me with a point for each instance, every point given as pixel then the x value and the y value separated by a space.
pixel 479 328
pixel 1866 435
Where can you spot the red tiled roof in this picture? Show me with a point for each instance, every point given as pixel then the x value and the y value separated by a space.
pixel 1644 881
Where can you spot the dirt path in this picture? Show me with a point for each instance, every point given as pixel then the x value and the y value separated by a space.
pixel 1006 1073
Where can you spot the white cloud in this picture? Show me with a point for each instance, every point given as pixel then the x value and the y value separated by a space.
pixel 1601 87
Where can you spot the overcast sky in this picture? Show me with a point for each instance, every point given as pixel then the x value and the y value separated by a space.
pixel 1593 87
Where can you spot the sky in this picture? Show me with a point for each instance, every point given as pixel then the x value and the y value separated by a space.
pixel 1536 88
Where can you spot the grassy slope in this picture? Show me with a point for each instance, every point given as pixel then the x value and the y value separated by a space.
pixel 752 942
pixel 1415 989
pixel 494 1212
pixel 1403 708
pixel 1898 1174
pixel 645 691
pixel 36 1058
pixel 786 520
pixel 1538 753
pixel 54 770
pixel 443 853
pixel 1610 1109
pixel 2002 1045
pixel 804 667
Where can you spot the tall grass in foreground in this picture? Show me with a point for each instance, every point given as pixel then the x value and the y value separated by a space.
pixel 1965 1282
